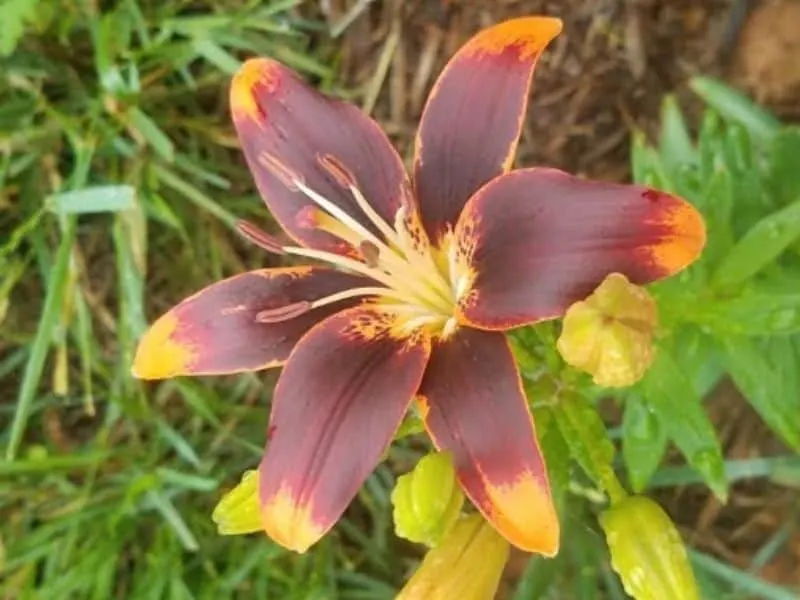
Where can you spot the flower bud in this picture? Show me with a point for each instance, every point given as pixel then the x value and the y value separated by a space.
pixel 610 334
pixel 427 501
pixel 239 510
pixel 647 552
pixel 466 565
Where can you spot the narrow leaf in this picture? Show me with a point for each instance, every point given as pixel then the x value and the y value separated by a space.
pixel 735 106
pixel 675 145
pixel 673 400
pixel 764 387
pixel 152 134
pixel 44 335
pixel 760 246
pixel 98 199
pixel 587 438
pixel 644 443
pixel 756 312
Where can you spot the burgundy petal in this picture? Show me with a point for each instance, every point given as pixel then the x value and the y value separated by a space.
pixel 537 240
pixel 472 120
pixel 472 402
pixel 290 132
pixel 336 407
pixel 215 331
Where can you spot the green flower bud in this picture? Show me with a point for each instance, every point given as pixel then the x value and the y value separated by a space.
pixel 610 334
pixel 467 565
pixel 427 501
pixel 239 510
pixel 647 552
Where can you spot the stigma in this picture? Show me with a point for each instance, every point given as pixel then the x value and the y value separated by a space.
pixel 419 284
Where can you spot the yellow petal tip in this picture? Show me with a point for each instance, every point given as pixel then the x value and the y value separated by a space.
pixel 159 355
pixel 289 523
pixel 255 72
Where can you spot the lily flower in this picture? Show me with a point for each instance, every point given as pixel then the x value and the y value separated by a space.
pixel 414 281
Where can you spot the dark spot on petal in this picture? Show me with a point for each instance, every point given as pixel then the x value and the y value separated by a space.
pixel 652 195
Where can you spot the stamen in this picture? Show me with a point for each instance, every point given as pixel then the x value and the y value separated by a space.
pixel 416 294
pixel 284 313
pixel 374 217
pixel 259 237
pixel 361 292
pixel 337 212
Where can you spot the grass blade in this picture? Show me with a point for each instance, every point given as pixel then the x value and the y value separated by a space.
pixel 44 335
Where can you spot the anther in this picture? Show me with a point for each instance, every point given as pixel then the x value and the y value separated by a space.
pixel 259 237
pixel 286 175
pixel 283 313
pixel 337 170
pixel 370 252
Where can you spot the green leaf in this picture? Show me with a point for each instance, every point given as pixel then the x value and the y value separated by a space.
pixel 217 55
pixel 586 436
pixel 709 143
pixel 717 207
pixel 644 443
pixel 675 145
pixel 48 322
pixel 741 580
pixel 152 134
pixel 97 199
pixel 647 166
pixel 766 387
pixel 756 312
pixel 556 452
pixel 760 246
pixel 539 576
pixel 783 167
pixel 13 16
pixel 671 397
pixel 734 106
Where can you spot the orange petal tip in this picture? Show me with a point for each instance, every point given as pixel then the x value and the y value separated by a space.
pixel 159 355
pixel 686 240
pixel 530 34
pixel 523 512
pixel 255 72
pixel 289 523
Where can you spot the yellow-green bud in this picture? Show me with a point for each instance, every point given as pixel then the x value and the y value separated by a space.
pixel 610 334
pixel 466 565
pixel 239 511
pixel 427 501
pixel 647 551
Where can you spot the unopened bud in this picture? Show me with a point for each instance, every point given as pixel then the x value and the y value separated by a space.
pixel 239 511
pixel 647 551
pixel 466 565
pixel 427 501
pixel 610 334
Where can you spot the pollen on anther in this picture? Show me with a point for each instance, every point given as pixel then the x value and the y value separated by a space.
pixel 341 174
pixel 283 313
pixel 259 237
pixel 370 252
